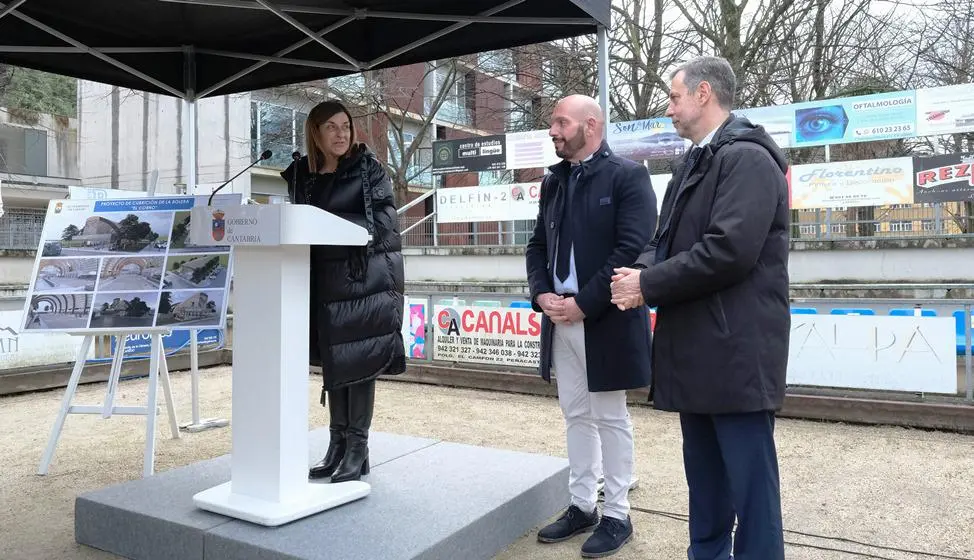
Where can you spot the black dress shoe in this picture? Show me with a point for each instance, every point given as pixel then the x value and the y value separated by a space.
pixel 573 522
pixel 609 537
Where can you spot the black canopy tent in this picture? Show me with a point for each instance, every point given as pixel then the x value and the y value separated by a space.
pixel 199 48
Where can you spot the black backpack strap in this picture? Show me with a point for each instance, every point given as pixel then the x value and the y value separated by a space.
pixel 367 195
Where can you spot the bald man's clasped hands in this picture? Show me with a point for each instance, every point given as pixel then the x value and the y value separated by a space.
pixel 596 214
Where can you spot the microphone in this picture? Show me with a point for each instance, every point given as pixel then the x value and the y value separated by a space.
pixel 265 155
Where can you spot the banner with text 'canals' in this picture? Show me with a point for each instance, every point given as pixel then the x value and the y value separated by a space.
pixel 487 335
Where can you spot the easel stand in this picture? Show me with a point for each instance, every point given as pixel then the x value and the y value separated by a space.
pixel 158 371
pixel 198 425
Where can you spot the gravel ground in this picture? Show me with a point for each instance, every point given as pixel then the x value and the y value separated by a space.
pixel 885 487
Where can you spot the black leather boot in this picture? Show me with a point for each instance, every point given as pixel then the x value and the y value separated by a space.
pixel 338 425
pixel 361 398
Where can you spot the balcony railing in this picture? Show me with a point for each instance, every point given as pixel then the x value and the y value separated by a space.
pixel 20 228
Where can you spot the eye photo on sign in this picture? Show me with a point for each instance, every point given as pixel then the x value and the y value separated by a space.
pixel 816 124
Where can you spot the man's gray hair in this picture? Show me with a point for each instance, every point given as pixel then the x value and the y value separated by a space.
pixel 715 71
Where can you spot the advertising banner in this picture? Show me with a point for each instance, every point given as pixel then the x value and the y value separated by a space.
pixel 34 349
pixel 778 121
pixel 866 118
pixel 947 178
pixel 488 203
pixel 852 183
pixel 483 153
pixel 76 193
pixel 646 139
pixel 487 335
pixel 874 352
pixel 530 150
pixel 139 346
pixel 945 110
pixel 126 265
pixel 414 327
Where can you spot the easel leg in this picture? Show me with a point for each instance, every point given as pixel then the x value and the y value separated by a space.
pixel 79 365
pixel 148 461
pixel 194 367
pixel 167 390
pixel 116 372
pixel 198 425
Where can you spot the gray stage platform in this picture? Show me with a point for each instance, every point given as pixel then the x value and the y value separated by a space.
pixel 429 500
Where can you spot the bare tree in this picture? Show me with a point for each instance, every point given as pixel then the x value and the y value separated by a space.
pixel 946 57
pixel 396 109
pixel 397 98
pixel 643 47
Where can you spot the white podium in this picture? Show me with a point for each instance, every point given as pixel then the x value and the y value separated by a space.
pixel 269 459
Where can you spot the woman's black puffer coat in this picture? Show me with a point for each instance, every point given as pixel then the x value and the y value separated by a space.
pixel 356 292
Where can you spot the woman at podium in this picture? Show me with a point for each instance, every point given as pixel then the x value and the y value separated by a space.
pixel 356 292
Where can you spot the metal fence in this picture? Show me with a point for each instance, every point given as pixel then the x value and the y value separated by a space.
pixel 948 219
pixel 425 232
pixel 20 228
pixel 916 221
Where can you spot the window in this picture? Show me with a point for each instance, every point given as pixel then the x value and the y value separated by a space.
pixel 418 169
pixel 350 85
pixel 807 229
pixel 901 226
pixel 275 128
pixel 548 79
pixel 837 228
pixel 495 177
pixel 23 150
pixel 929 225
pixel 521 115
pixel 497 63
pixel 454 107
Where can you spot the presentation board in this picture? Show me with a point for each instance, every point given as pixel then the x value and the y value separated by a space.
pixel 126 265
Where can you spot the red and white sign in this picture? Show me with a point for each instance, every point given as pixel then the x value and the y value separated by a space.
pixel 487 335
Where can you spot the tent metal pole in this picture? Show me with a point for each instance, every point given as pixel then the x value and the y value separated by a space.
pixel 603 63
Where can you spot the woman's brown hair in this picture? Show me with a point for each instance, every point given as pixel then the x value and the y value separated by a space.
pixel 317 117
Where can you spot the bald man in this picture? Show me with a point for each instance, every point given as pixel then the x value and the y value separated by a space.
pixel 597 212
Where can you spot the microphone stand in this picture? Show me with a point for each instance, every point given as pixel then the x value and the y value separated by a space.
pixel 265 155
pixel 296 156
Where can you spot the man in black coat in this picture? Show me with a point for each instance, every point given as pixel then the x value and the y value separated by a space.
pixel 717 271
pixel 596 213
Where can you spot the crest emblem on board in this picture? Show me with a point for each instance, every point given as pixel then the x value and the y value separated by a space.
pixel 219 225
